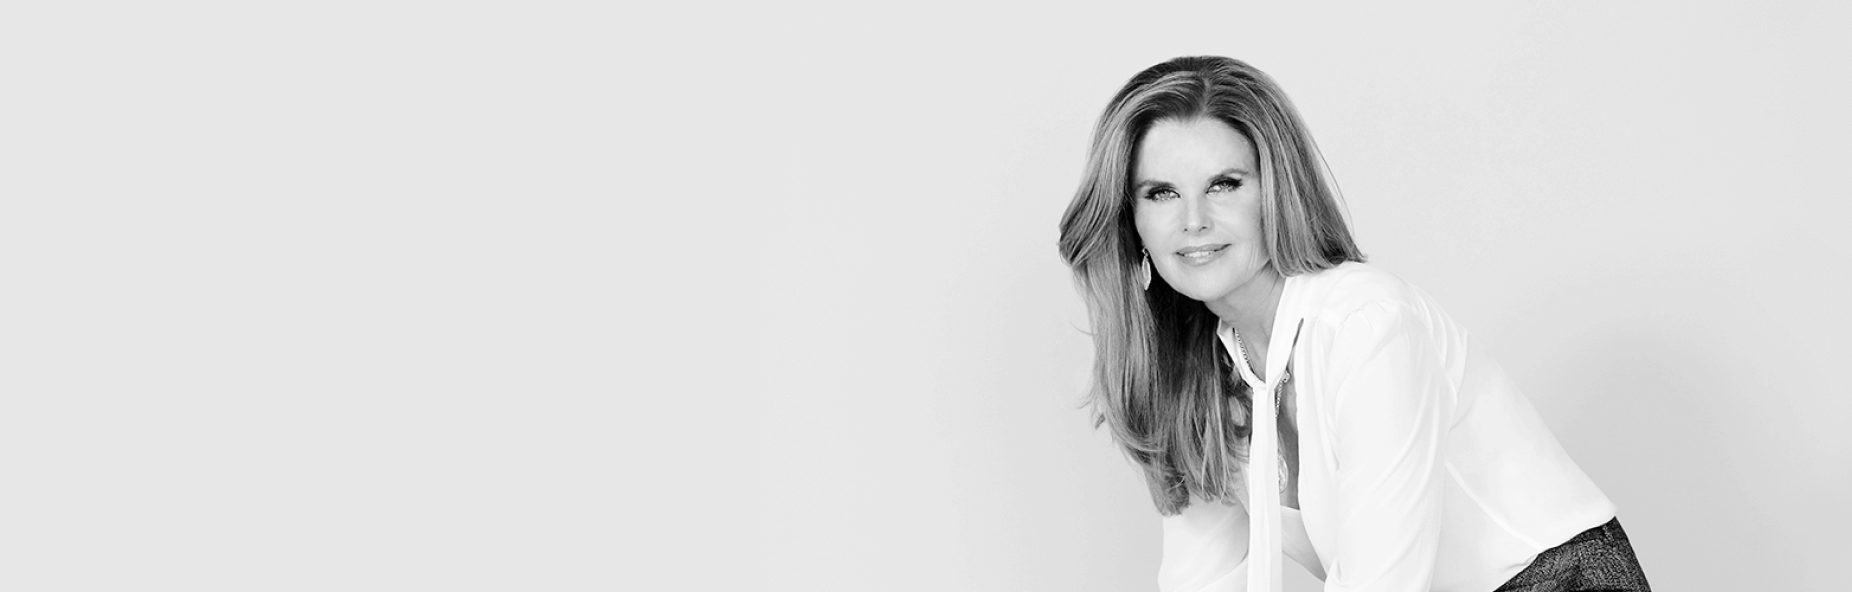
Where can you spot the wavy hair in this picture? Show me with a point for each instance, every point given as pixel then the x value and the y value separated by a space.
pixel 1162 383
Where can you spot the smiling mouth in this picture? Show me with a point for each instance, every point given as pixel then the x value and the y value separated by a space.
pixel 1201 254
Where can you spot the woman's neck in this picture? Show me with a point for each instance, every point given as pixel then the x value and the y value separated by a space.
pixel 1249 310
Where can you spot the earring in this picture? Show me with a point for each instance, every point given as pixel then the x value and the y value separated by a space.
pixel 1145 267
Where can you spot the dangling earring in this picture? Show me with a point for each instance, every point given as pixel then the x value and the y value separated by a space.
pixel 1145 267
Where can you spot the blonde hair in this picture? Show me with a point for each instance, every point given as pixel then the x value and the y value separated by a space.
pixel 1161 381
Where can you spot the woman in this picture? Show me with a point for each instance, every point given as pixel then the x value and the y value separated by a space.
pixel 1386 451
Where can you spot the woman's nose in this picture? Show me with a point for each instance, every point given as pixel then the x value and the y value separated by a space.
pixel 1195 214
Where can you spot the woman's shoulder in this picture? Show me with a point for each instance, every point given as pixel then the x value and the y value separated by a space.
pixel 1357 307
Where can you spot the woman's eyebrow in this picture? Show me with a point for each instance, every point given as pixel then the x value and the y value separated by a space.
pixel 1228 172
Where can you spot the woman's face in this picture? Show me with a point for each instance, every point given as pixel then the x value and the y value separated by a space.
pixel 1196 190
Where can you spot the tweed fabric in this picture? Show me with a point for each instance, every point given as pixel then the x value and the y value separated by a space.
pixel 1601 558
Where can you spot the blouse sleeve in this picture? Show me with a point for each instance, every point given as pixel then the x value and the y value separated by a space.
pixel 1205 549
pixel 1388 397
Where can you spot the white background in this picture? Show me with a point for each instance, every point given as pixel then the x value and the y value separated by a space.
pixel 395 296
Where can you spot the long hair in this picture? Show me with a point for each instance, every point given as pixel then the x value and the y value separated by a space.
pixel 1162 382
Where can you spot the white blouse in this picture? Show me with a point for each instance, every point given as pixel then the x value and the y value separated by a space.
pixel 1422 467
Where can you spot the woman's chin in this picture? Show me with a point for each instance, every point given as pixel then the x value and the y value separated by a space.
pixel 1190 291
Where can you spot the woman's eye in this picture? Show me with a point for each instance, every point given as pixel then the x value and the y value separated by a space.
pixel 1160 194
pixel 1225 185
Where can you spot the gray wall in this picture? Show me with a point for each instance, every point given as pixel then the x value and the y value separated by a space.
pixel 560 298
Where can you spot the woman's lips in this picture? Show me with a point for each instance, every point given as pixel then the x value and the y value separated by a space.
pixel 1202 254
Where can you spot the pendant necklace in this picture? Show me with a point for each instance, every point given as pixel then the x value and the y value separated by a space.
pixel 1279 390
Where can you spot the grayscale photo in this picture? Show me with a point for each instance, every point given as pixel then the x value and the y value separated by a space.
pixel 829 296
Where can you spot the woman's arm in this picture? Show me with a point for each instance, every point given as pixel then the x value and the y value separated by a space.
pixel 1205 548
pixel 1388 399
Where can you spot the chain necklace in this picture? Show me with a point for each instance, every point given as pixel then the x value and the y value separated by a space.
pixel 1279 391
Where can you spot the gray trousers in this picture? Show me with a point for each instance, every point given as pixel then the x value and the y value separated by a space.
pixel 1600 558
